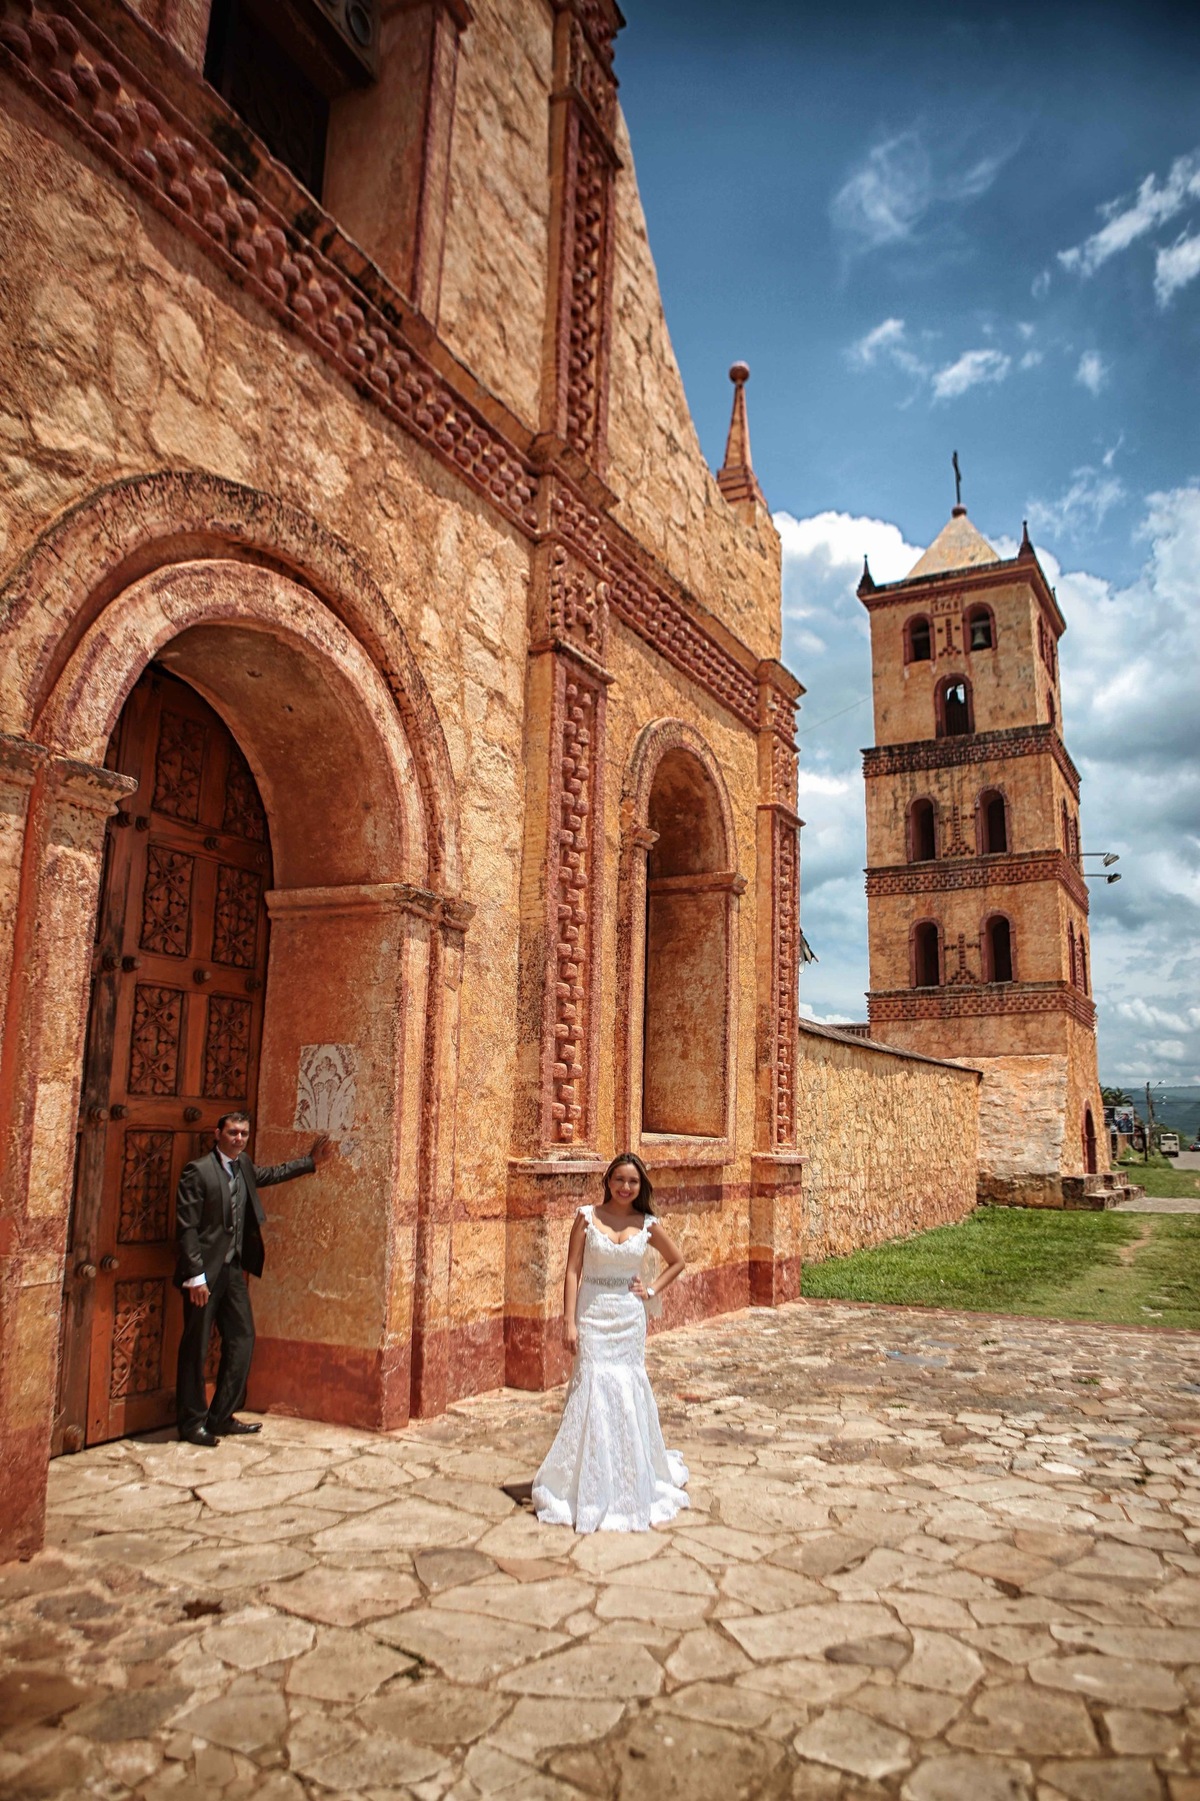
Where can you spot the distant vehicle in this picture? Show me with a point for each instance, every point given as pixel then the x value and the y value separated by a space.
pixel 1195 1145
pixel 1168 1143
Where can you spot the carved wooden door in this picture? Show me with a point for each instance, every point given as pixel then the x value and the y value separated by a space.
pixel 176 1018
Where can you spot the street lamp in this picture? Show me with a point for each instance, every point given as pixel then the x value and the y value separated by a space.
pixel 1110 856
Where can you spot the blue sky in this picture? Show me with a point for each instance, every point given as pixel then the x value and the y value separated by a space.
pixel 926 230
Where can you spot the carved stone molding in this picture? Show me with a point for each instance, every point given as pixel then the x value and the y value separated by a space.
pixel 973 747
pixel 980 872
pixel 572 602
pixel 352 319
pixel 448 911
pixel 86 82
pixel 980 999
pixel 583 165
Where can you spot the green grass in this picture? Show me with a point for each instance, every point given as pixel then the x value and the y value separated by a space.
pixel 1161 1178
pixel 1048 1264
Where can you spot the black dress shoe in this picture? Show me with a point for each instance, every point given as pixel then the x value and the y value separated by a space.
pixel 237 1428
pixel 199 1435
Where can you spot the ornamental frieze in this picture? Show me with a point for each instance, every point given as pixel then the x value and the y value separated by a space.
pixel 70 69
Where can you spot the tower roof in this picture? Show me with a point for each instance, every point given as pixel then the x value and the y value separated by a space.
pixel 957 546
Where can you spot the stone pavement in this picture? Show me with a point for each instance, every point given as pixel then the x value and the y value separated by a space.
pixel 934 1556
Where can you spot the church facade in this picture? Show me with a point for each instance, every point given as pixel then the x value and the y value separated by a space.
pixel 393 737
pixel 976 896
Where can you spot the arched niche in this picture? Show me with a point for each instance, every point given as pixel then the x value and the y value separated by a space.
pixel 366 937
pixel 678 955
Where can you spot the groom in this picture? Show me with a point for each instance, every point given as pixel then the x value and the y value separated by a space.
pixel 218 1225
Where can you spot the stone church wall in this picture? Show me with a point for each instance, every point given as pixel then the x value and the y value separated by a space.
pixel 889 1139
pixel 349 524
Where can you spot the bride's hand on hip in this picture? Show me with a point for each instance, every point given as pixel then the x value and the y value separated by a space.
pixel 637 1288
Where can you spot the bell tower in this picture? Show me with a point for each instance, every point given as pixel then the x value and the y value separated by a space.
pixel 977 904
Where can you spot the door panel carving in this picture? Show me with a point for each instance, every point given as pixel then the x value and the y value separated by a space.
pixel 176 1019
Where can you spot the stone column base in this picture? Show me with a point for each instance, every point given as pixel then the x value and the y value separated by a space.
pixel 776 1227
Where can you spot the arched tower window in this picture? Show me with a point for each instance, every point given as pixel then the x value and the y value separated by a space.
pixel 1066 829
pixel 927 961
pixel 1071 963
pixel 922 832
pixel 1083 964
pixel 980 629
pixel 953 706
pixel 998 949
pixel 687 951
pixel 993 823
pixel 918 640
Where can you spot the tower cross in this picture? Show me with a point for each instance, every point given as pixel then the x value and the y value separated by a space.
pixel 957 480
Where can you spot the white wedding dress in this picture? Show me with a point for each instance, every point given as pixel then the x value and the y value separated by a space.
pixel 608 1469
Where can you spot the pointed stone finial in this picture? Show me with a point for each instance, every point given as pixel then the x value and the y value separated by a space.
pixel 866 583
pixel 736 478
pixel 1026 549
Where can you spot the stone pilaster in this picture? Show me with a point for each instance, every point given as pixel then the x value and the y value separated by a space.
pixel 51 905
pixel 776 1220
pixel 583 167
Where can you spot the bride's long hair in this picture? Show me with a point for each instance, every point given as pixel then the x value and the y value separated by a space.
pixel 644 1199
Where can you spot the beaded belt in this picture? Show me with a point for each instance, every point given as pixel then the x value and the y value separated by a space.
pixel 609 1281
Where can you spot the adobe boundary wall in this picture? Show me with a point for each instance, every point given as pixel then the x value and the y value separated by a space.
pixel 891 1141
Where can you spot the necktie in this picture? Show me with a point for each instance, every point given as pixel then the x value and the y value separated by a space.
pixel 237 1207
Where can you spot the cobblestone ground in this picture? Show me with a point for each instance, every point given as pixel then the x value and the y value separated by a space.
pixel 934 1556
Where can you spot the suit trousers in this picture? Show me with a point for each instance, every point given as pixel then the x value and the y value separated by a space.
pixel 228 1309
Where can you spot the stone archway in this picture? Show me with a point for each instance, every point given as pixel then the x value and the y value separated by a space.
pixel 366 940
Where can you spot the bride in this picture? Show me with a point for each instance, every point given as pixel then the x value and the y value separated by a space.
pixel 608 1469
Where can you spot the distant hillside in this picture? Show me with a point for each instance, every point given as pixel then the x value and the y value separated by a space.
pixel 1177 1108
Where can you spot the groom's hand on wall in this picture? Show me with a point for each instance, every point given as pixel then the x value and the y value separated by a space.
pixel 323 1149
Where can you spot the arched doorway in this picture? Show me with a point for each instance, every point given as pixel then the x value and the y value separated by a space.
pixel 1089 1142
pixel 174 1031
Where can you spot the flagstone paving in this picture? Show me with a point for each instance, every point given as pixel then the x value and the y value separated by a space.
pixel 930 1557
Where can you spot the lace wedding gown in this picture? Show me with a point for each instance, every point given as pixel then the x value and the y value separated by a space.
pixel 608 1469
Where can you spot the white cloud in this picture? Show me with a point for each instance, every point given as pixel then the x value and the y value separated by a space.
pixel 1175 266
pixel 1167 1050
pixel 885 336
pixel 1128 660
pixel 969 370
pixel 1030 360
pixel 1040 284
pixel 1084 504
pixel 1128 220
pixel 1142 1013
pixel 1092 372
pixel 901 181
pixel 823 1019
pixel 886 196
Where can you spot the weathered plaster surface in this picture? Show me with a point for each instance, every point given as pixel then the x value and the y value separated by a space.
pixel 889 1142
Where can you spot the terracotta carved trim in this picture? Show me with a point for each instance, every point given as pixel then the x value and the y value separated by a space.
pixel 350 318
pixel 988 872
pixel 991 999
pixel 84 81
pixel 973 747
pixel 573 890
